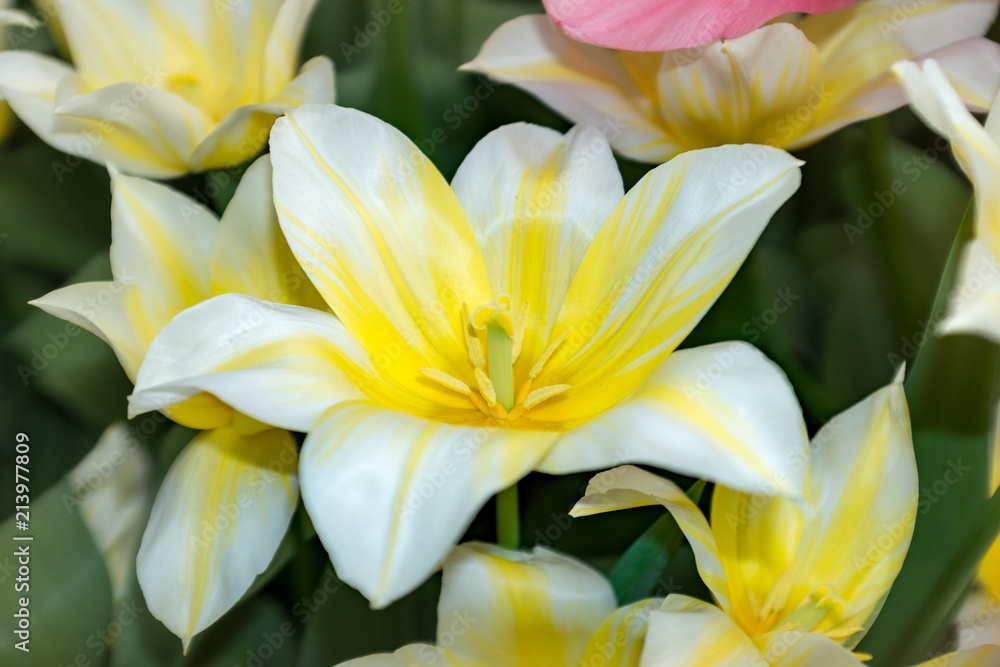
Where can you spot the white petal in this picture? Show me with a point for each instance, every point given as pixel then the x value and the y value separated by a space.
pixel 511 608
pixel 722 412
pixel 628 486
pixel 655 267
pixel 282 365
pixel 416 655
pixel 982 656
pixel 686 632
pixel 586 84
pixel 974 307
pixel 244 132
pixel 218 518
pixel 283 45
pixel 535 199
pixel 806 649
pixel 390 493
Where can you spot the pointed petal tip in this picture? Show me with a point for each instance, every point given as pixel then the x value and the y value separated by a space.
pixel 900 374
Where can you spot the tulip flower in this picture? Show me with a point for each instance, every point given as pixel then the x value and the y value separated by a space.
pixel 524 318
pixel 112 487
pixel 9 17
pixel 508 608
pixel 160 89
pixel 227 500
pixel 786 84
pixel 666 25
pixel 788 575
pixel 975 304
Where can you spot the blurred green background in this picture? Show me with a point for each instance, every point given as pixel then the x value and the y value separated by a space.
pixel 861 295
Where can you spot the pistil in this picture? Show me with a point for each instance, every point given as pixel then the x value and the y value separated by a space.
pixel 498 350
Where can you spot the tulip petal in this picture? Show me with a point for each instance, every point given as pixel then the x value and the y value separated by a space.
pixel 283 45
pixel 218 518
pixel 860 503
pixel 416 655
pixel 655 267
pixel 511 608
pixel 619 640
pixel 685 632
pixel 627 486
pixel 981 656
pixel 761 88
pixel 390 493
pixel 282 365
pixel 664 25
pixel 535 199
pixel 585 84
pixel 383 238
pixel 244 132
pixel 722 412
pixel 805 649
pixel 250 255
pixel 975 303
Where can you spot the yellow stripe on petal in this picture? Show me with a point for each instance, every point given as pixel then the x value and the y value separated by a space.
pixel 619 640
pixel 217 520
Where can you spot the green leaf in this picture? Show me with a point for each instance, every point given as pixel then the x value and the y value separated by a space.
pixel 637 573
pixel 69 591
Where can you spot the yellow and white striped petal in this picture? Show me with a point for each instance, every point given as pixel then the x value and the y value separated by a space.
pixel 511 608
pixel 619 640
pixel 244 132
pixel 250 255
pixel 686 632
pixel 721 412
pixel 383 238
pixel 612 91
pixel 390 493
pixel 535 199
pixel 975 302
pixel 627 486
pixel 113 486
pixel 978 621
pixel 218 518
pixel 283 45
pixel 762 88
pixel 416 655
pixel 805 649
pixel 655 267
pixel 973 69
pixel 982 656
pixel 860 503
pixel 281 365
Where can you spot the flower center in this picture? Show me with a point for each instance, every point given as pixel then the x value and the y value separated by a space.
pixel 493 337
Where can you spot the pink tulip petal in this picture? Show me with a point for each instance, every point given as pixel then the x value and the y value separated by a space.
pixel 665 25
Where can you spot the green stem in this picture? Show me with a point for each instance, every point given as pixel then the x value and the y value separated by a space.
pixel 498 351
pixel 508 519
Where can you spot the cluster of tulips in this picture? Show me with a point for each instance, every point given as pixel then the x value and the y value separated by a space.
pixel 399 351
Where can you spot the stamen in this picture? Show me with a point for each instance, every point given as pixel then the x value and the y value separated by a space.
pixel 536 370
pixel 472 341
pixel 863 657
pixel 486 388
pixel 448 381
pixel 842 633
pixel 543 394
pixel 519 324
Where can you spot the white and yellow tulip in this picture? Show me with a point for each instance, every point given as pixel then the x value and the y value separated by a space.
pixel 524 318
pixel 789 576
pixel 9 17
pixel 785 84
pixel 975 304
pixel 162 88
pixel 511 608
pixel 227 500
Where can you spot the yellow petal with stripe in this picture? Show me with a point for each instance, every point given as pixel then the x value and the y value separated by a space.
pixel 802 649
pixel 613 91
pixel 511 608
pixel 655 267
pixel 535 199
pixel 383 238
pixel 825 564
pixel 721 412
pixel 217 520
pixel 390 493
pixel 686 632
pixel 628 486
pixel 619 640
pixel 764 88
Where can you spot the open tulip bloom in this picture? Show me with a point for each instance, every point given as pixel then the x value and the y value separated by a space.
pixel 785 84
pixel 665 25
pixel 161 88
pixel 975 304
pixel 524 318
pixel 803 575
pixel 168 252
pixel 502 608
